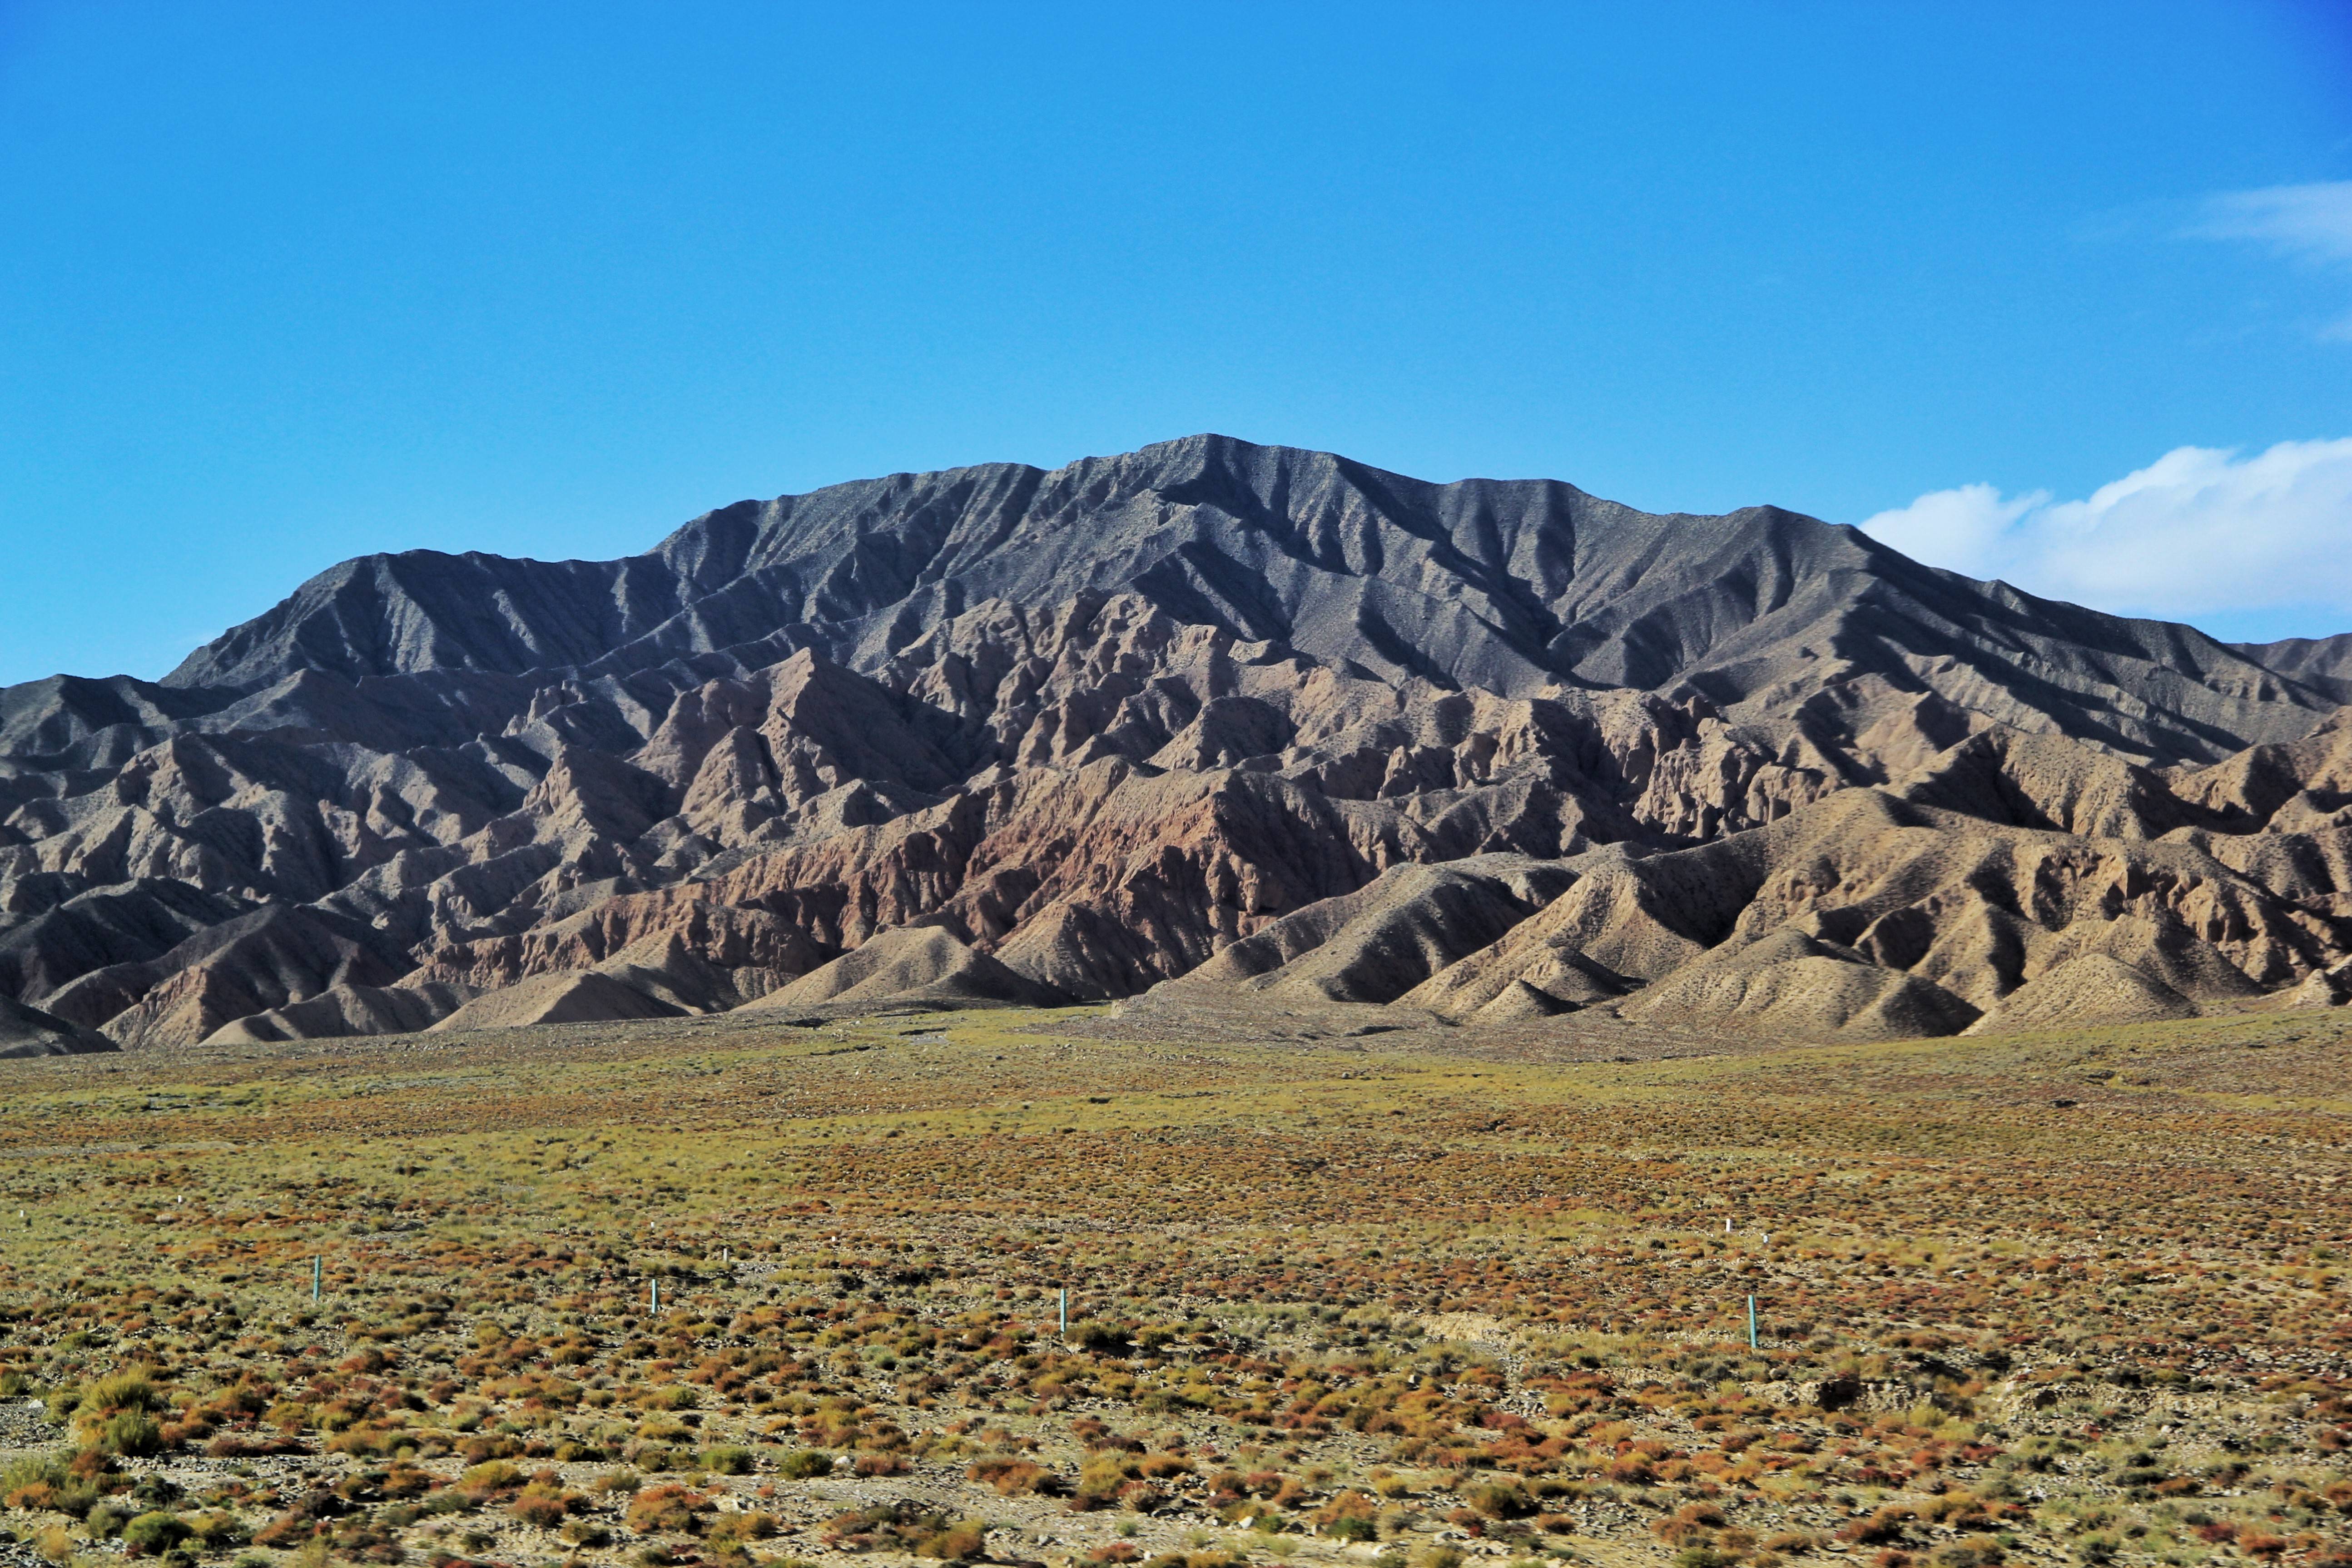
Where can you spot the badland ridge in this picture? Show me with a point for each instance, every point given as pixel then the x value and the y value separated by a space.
pixel 1208 716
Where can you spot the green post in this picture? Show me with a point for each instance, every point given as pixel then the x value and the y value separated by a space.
pixel 657 1296
pixel 317 1277
pixel 1065 1312
pixel 1751 1322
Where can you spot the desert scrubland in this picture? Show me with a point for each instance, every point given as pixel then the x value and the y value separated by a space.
pixel 1420 1295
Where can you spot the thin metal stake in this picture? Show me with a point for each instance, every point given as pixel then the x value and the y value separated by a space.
pixel 656 1291
pixel 1065 1312
pixel 317 1277
pixel 1751 1322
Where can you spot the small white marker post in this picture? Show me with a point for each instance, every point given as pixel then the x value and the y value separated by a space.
pixel 1065 1312
pixel 655 1286
pixel 1751 1322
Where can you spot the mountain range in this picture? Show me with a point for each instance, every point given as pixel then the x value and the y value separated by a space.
pixel 1205 715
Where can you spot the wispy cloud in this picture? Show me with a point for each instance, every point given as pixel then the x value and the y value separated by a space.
pixel 2312 222
pixel 2197 532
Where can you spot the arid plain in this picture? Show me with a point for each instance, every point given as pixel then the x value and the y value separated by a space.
pixel 1420 1295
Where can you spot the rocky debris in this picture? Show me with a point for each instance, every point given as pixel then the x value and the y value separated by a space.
pixel 1249 716
pixel 2324 988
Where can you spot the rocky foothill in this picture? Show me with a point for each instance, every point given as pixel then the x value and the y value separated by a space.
pixel 1204 715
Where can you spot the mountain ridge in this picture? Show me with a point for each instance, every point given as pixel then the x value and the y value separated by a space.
pixel 1090 727
pixel 1273 544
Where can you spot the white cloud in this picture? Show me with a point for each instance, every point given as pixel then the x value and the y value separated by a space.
pixel 2311 222
pixel 2198 532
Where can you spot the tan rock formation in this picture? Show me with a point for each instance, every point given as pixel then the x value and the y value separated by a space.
pixel 1794 985
pixel 578 996
pixel 2093 989
pixel 915 965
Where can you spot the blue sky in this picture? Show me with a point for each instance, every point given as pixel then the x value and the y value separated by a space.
pixel 280 285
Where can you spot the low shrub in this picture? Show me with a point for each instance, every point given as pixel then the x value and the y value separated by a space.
pixel 492 1477
pixel 251 1446
pixel 130 1432
pixel 905 1526
pixel 669 1509
pixel 217 1530
pixel 48 1481
pixel 736 1528
pixel 154 1535
pixel 1498 1501
pixel 1014 1477
pixel 958 1543
pixel 287 1532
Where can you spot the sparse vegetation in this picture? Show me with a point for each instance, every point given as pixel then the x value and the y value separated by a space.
pixel 1424 1309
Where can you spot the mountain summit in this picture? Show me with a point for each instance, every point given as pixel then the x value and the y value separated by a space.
pixel 1509 585
pixel 1094 730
